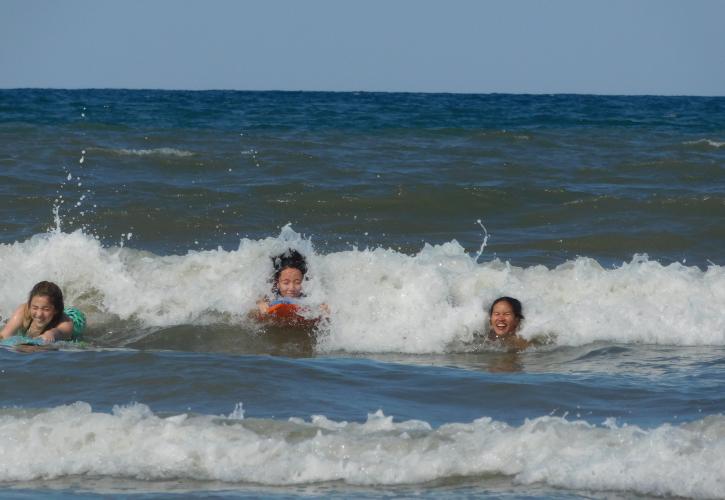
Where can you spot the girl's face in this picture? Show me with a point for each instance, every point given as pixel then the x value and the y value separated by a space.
pixel 289 283
pixel 42 310
pixel 503 320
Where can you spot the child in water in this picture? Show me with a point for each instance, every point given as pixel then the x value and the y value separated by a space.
pixel 290 269
pixel 505 316
pixel 289 272
pixel 44 317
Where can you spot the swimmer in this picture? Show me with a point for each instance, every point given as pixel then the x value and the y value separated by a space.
pixel 44 317
pixel 290 269
pixel 289 273
pixel 505 316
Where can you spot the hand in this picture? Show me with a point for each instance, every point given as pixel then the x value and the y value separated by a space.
pixel 48 337
pixel 263 306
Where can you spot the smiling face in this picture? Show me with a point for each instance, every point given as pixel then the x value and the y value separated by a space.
pixel 289 283
pixel 503 319
pixel 42 310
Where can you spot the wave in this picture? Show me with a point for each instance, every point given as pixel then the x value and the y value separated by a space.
pixel 706 142
pixel 381 300
pixel 150 152
pixel 133 442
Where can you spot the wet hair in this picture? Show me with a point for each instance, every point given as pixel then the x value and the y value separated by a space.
pixel 291 259
pixel 54 293
pixel 514 303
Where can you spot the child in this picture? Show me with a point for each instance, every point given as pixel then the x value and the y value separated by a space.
pixel 43 317
pixel 505 317
pixel 289 272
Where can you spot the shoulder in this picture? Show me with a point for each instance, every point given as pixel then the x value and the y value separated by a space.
pixel 517 343
pixel 19 315
pixel 512 342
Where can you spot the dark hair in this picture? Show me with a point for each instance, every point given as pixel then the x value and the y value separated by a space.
pixel 54 293
pixel 514 303
pixel 290 259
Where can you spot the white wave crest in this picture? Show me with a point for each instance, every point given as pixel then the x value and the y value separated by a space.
pixel 133 442
pixel 707 142
pixel 380 300
pixel 155 152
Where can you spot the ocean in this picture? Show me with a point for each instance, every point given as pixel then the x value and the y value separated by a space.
pixel 158 212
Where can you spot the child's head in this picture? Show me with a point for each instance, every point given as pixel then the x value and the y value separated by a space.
pixel 289 272
pixel 505 315
pixel 45 303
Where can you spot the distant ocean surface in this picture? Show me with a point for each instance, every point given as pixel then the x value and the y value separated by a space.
pixel 157 213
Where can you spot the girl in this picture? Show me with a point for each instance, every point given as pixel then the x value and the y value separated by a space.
pixel 289 272
pixel 284 307
pixel 505 316
pixel 44 317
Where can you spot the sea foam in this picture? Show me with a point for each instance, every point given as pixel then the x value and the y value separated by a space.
pixel 154 152
pixel 380 300
pixel 707 142
pixel 133 442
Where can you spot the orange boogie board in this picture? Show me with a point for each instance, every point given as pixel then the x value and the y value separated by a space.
pixel 288 315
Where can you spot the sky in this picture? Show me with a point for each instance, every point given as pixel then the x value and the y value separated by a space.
pixel 655 47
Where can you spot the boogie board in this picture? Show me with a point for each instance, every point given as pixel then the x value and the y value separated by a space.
pixel 20 340
pixel 26 344
pixel 30 344
pixel 287 314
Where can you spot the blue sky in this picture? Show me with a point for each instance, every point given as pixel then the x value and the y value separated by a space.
pixel 518 46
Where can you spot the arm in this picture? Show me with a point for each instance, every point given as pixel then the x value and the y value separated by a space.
pixel 64 331
pixel 14 323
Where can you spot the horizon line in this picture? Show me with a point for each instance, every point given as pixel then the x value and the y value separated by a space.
pixel 319 91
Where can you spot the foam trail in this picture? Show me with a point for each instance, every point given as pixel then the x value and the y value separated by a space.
pixel 708 142
pixel 155 152
pixel 133 442
pixel 381 300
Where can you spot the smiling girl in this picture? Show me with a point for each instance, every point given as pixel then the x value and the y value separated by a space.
pixel 505 316
pixel 44 317
pixel 284 305
pixel 289 273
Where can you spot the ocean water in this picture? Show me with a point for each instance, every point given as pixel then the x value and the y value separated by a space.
pixel 157 213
